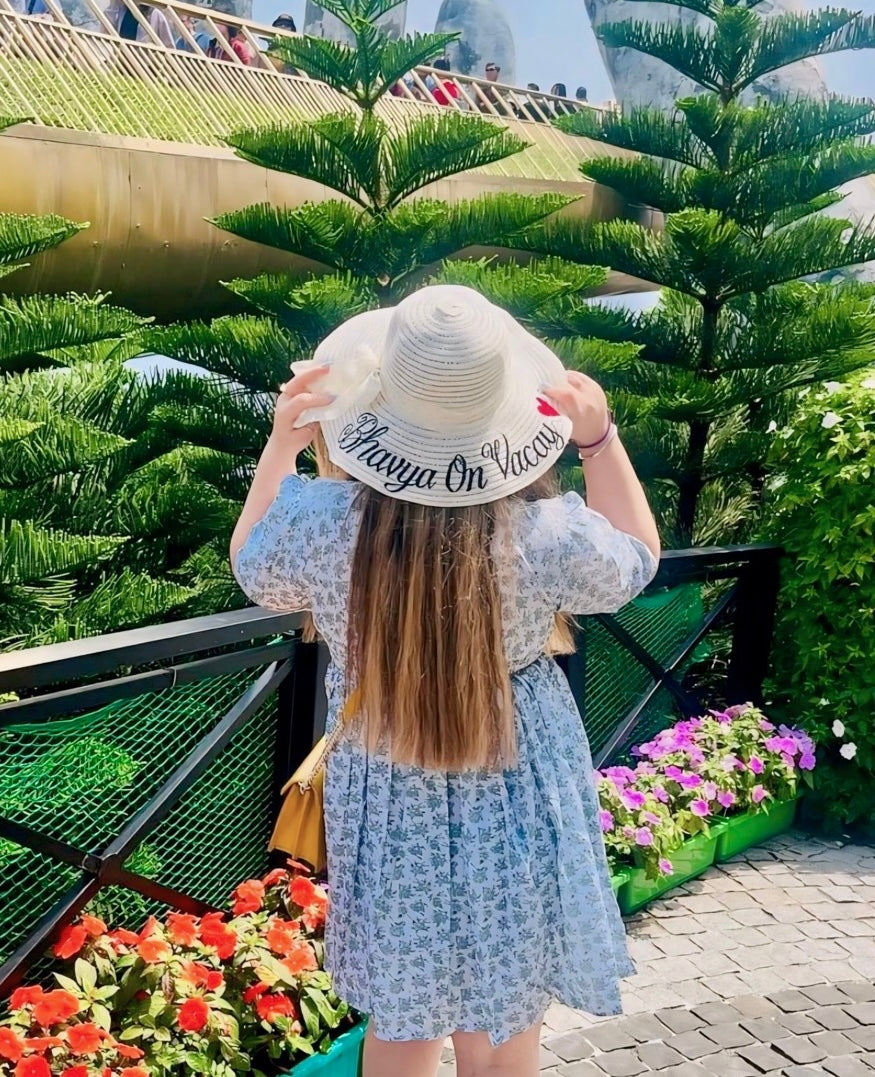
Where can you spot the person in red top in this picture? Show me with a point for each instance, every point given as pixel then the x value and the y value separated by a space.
pixel 444 91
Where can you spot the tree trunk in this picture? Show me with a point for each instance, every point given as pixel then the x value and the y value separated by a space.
pixel 319 23
pixel 639 79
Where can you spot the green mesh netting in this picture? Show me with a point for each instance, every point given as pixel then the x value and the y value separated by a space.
pixel 81 780
pixel 615 680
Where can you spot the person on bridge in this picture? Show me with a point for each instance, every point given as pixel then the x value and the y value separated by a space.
pixel 444 91
pixel 128 26
pixel 468 879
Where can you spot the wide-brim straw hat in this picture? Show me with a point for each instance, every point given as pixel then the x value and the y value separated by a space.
pixel 439 400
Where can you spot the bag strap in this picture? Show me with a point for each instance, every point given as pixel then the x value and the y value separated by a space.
pixel 349 709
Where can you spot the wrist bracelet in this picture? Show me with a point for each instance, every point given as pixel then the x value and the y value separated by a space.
pixel 605 435
pixel 602 445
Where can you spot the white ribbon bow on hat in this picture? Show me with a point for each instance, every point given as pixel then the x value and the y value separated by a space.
pixel 353 381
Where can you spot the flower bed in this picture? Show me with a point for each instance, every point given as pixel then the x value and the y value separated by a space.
pixel 215 994
pixel 703 790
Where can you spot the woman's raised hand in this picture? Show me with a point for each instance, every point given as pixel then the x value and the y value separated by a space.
pixel 296 397
pixel 584 402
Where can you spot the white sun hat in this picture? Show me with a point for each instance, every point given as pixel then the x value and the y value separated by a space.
pixel 439 400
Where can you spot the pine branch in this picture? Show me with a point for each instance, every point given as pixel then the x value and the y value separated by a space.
pixel 643 181
pixel 54 447
pixel 796 126
pixel 22 236
pixel 326 233
pixel 642 130
pixel 813 246
pixel 30 554
pixel 786 38
pixel 686 49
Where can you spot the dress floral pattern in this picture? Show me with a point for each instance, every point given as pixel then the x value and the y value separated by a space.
pixel 464 901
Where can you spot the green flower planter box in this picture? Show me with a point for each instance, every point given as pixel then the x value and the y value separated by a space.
pixel 690 860
pixel 343 1060
pixel 740 832
pixel 618 881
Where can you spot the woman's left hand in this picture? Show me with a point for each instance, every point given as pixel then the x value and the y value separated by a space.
pixel 296 397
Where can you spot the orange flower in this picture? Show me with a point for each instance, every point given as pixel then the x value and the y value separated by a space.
pixel 303 892
pixel 278 875
pixel 183 928
pixel 93 925
pixel 54 1007
pixel 300 957
pixel 202 976
pixel 248 897
pixel 42 1043
pixel 153 951
pixel 75 1071
pixel 35 1066
pixel 25 996
pixel 127 1051
pixel 269 1007
pixel 149 928
pixel 11 1047
pixel 251 993
pixel 280 937
pixel 135 1071
pixel 70 941
pixel 193 1015
pixel 314 915
pixel 84 1039
pixel 123 937
pixel 218 935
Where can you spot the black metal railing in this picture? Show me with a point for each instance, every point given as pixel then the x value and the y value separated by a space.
pixel 271 689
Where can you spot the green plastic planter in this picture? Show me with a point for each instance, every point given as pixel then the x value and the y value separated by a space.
pixel 690 860
pixel 618 881
pixel 343 1060
pixel 740 832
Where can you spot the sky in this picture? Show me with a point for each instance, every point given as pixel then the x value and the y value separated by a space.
pixel 555 44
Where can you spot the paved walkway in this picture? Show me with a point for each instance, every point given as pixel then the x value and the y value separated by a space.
pixel 764 965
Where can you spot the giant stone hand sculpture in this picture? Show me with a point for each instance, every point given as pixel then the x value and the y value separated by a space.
pixel 485 36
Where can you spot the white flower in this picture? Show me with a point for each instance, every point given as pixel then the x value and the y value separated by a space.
pixel 848 751
pixel 772 427
pixel 833 386
pixel 829 420
pixel 838 727
pixel 868 383
pixel 824 702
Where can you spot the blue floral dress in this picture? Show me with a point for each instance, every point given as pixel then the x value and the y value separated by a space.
pixel 464 901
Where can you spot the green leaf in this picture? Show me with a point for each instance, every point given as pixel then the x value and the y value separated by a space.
pixel 86 976
pixel 68 985
pixel 310 1014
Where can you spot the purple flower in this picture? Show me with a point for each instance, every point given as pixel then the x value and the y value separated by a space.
pixel 757 794
pixel 756 765
pixel 807 761
pixel 644 836
pixel 689 781
pixel 728 763
pixel 632 798
pixel 709 790
pixel 606 820
pixel 725 798
pixel 788 761
pixel 660 794
pixel 673 772
pixel 783 745
pixel 628 831
pixel 723 717
pixel 700 807
pixel 619 775
pixel 738 709
pixel 652 818
pixel 666 867
pixel 766 726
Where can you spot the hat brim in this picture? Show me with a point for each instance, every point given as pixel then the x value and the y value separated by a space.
pixel 512 448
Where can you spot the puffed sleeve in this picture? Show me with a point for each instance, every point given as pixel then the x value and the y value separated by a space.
pixel 271 566
pixel 585 564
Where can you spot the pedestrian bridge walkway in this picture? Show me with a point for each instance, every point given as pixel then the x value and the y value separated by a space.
pixel 130 135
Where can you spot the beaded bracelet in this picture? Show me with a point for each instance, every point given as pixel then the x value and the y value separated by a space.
pixel 602 444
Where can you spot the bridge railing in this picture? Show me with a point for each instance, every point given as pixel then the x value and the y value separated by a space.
pixel 90 78
pixel 144 768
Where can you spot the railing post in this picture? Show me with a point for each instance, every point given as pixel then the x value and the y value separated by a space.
pixel 301 711
pixel 754 622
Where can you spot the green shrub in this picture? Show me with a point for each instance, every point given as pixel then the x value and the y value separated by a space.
pixel 822 511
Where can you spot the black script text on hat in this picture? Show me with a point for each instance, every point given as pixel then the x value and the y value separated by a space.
pixel 363 439
pixel 530 455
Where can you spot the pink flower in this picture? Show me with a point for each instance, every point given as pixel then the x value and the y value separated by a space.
pixel 606 820
pixel 807 761
pixel 632 798
pixel 644 836
pixel 673 772
pixel 700 807
pixel 756 765
pixel 660 794
pixel 784 745
pixel 666 867
pixel 709 790
pixel 689 781
pixel 766 726
pixel 757 794
pixel 629 832
pixel 788 761
pixel 725 798
pixel 652 818
pixel 728 763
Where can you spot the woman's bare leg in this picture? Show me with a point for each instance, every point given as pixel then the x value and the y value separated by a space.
pixel 518 1057
pixel 408 1058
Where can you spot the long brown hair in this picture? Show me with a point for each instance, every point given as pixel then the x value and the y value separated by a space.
pixel 425 646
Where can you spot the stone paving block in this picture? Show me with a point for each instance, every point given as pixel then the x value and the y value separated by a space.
pixel 835 1043
pixel 679 1020
pixel 793 1001
pixel 610 1037
pixel 814 929
pixel 803 1071
pixel 700 903
pixel 659 1056
pixel 569 1046
pixel 763 1058
pixel 759 958
pixel 716 1013
pixel 857 928
pixel 803 975
pixel 729 985
pixel 799 1049
pixel 864 1038
pixel 562 1018
pixel 751 917
pixel 579 1069
pixel 715 963
pixel 672 969
pixel 682 926
pixel 692 1045
pixel 833 971
pixel 847 1066
pixel 833 1017
pixel 621 1064
pixel 547 1058
pixel 694 992
pixel 644 1027
pixel 787 933
pixel 676 946
pixel 864 967
pixel 754 1006
pixel 685 1069
pixel 800 1024
pixel 764 1029
pixel 737 899
pixel 863 1012
pixel 726 1036
pixel 765 981
pixel 728 1064
pixel 826 995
